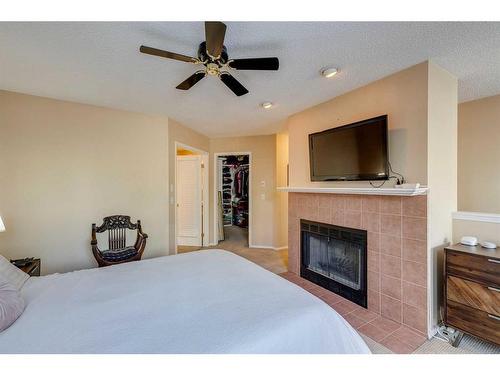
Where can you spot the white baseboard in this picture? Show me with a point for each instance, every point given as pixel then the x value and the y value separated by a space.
pixel 267 247
pixel 251 246
pixel 280 248
pixel 431 332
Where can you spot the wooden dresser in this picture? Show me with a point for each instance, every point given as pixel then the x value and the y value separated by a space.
pixel 472 291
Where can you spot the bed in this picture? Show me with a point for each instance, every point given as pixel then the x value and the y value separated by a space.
pixel 209 301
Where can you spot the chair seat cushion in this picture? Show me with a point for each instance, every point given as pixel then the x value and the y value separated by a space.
pixel 119 254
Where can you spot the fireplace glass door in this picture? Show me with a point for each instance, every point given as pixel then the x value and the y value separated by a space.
pixel 335 258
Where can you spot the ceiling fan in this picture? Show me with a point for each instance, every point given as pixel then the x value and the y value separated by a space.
pixel 212 55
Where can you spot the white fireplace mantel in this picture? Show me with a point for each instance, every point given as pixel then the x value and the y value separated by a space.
pixel 357 190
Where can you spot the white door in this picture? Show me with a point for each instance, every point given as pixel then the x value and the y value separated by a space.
pixel 189 200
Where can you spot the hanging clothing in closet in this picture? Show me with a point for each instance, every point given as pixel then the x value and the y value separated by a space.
pixel 235 189
pixel 240 196
pixel 241 182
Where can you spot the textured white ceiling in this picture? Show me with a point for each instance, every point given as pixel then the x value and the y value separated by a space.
pixel 99 63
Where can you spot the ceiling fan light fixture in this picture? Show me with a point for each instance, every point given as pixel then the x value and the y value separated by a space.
pixel 212 55
pixel 267 105
pixel 329 72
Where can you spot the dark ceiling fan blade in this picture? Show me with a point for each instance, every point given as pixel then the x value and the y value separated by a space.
pixel 191 81
pixel 167 54
pixel 264 63
pixel 233 84
pixel 214 36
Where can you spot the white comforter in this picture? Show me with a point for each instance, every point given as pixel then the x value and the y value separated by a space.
pixel 208 301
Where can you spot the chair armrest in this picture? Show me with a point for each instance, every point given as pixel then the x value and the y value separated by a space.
pixel 141 234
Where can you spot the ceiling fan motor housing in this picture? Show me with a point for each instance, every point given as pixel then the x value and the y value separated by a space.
pixel 203 54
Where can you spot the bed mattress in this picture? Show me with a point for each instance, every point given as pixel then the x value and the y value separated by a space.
pixel 209 301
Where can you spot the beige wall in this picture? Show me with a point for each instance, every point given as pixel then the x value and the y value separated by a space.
pixel 263 198
pixel 478 167
pixel 479 155
pixel 402 96
pixel 64 166
pixel 482 230
pixel 442 177
pixel 180 134
pixel 281 235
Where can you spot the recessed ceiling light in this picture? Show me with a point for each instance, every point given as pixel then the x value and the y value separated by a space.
pixel 329 72
pixel 267 105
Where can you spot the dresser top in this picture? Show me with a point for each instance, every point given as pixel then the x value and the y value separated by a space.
pixel 476 250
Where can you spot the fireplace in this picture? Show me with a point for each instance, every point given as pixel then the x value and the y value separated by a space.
pixel 335 258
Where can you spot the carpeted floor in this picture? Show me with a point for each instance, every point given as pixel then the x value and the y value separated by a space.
pixel 276 261
pixel 236 241
pixel 469 345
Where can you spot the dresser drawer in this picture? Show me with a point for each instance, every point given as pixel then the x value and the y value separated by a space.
pixel 473 321
pixel 473 267
pixel 470 293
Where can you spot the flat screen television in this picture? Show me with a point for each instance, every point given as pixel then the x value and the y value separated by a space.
pixel 351 152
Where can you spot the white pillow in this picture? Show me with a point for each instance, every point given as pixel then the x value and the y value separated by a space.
pixel 12 274
pixel 11 304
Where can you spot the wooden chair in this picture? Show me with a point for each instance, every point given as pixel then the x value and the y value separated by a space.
pixel 118 251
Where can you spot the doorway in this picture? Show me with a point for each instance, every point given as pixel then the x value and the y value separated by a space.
pixel 233 199
pixel 191 197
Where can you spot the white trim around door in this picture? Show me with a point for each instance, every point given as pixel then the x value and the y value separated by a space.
pixel 205 193
pixel 215 232
pixel 189 224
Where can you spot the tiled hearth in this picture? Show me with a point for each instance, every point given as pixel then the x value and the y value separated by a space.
pixel 397 257
pixel 396 337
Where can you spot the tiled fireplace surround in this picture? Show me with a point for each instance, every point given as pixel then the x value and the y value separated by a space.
pixel 397 250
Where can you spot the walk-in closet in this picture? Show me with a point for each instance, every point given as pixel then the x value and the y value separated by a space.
pixel 233 195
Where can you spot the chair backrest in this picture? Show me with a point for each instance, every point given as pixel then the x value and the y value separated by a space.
pixel 116 226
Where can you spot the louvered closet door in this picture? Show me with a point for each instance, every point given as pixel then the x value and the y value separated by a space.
pixel 189 200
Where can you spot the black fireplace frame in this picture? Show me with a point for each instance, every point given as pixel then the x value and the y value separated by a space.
pixel 360 296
